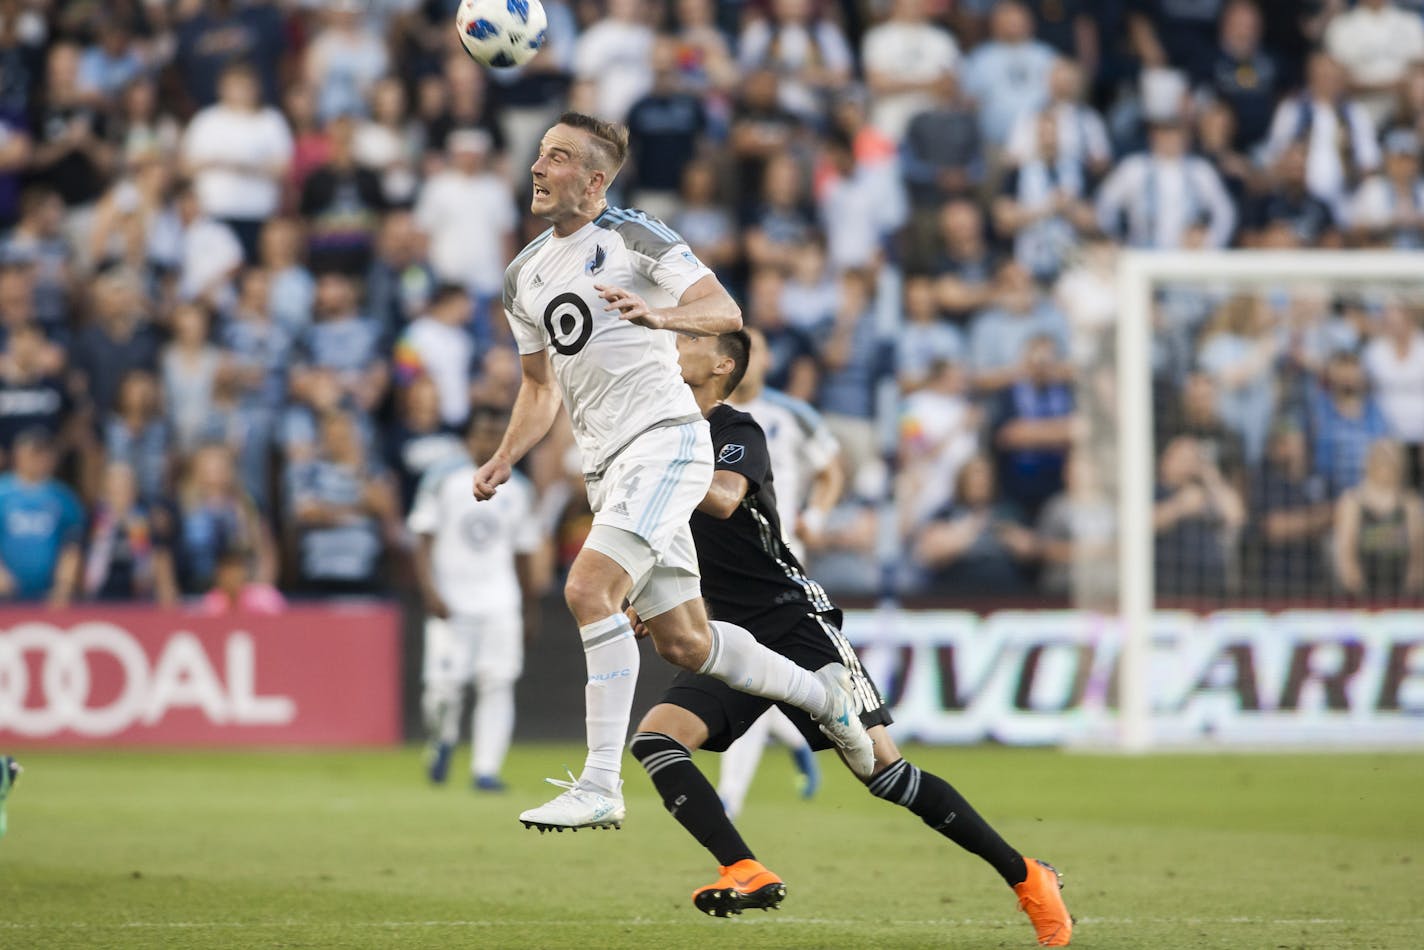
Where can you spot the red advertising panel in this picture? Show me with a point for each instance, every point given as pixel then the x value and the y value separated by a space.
pixel 310 676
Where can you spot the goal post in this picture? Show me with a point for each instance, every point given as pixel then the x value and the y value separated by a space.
pixel 1139 277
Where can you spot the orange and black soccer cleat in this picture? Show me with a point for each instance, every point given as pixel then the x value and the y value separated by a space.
pixel 1039 897
pixel 744 885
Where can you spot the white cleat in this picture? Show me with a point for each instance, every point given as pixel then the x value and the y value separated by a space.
pixel 577 807
pixel 842 723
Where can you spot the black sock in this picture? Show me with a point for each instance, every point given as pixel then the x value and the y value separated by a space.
pixel 689 796
pixel 946 811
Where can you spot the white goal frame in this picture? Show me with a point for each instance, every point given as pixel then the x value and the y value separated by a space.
pixel 1139 274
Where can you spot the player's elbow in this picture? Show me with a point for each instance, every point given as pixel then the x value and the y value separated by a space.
pixel 718 505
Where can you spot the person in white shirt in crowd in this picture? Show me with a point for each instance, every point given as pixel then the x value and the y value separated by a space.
pixel 1044 205
pixel 1082 135
pixel 1166 198
pixel 211 253
pixel 1008 75
pixel 616 55
pixel 859 205
pixel 1340 135
pixel 939 432
pixel 1376 41
pixel 806 458
pixel 807 50
pixel 905 58
pixel 389 143
pixel 468 212
pixel 480 566
pixel 439 345
pixel 1394 362
pixel 238 152
pixel 1388 209
pixel 345 59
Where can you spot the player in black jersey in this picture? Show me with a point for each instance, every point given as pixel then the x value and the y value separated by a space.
pixel 750 578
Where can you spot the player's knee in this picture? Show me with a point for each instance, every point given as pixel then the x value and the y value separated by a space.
pixel 588 600
pixel 682 650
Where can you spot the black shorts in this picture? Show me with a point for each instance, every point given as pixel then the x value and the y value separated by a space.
pixel 728 713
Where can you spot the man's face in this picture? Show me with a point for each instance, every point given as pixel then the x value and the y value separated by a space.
pixel 560 174
pixel 34 463
pixel 484 438
pixel 698 356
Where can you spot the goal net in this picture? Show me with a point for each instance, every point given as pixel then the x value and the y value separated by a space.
pixel 1242 499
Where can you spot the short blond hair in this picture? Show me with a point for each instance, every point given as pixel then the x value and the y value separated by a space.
pixel 610 139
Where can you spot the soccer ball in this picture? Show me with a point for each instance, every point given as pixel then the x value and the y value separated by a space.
pixel 501 33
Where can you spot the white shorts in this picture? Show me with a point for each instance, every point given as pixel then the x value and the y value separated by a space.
pixel 652 487
pixel 465 648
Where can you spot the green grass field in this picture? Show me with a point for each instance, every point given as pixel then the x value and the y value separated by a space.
pixel 353 850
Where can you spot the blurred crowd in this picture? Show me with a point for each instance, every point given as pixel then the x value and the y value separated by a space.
pixel 253 253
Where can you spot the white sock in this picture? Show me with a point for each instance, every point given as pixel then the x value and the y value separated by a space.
pixel 739 764
pixel 783 730
pixel 612 657
pixel 492 726
pixel 441 706
pixel 739 661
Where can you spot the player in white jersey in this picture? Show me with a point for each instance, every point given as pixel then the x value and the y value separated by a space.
pixel 589 302
pixel 806 458
pixel 479 566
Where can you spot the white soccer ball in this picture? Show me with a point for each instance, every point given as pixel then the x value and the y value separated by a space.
pixel 501 33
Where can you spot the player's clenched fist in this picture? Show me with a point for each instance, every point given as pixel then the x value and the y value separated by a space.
pixel 490 476
pixel 629 306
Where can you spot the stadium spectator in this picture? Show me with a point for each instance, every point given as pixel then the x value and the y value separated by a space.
pixel 793 363
pixel 257 349
pixel 41 523
pixel 810 297
pixel 906 59
pixel 341 203
pixel 703 52
pixel 1291 516
pixel 1379 532
pixel 209 252
pixel 924 340
pixel 1344 421
pixel 112 61
pixel 438 345
pixel 1244 73
pixel 1339 134
pixel 1008 75
pixel 142 128
pixel 127 555
pixel 189 366
pixel 805 48
pixel 387 143
pixel 38 241
pixel 1286 215
pixel 1195 519
pixel 616 54
pixel 976 546
pixel 942 154
pixel 1394 362
pixel 219 33
pixel 1387 210
pixel 118 340
pixel 1042 205
pixel 1199 415
pixel 1165 33
pixel 999 336
pixel 71 155
pixel 708 227
pixel 234 590
pixel 292 289
pixel 15 148
pixel 464 104
pixel 1238 352
pixel 781 223
pixel 310 144
pixel 238 152
pixel 419 438
pixel 761 131
pixel 1077 537
pixel 1166 198
pixel 340 503
pixel 215 516
pixel 665 127
pixel 939 433
pixel 135 224
pixel 137 434
pixel 968 263
pixel 860 204
pixel 1215 135
pixel 345 59
pixel 1080 135
pixel 468 213
pixel 344 342
pixel 1376 42
pixel 33 398
pixel 850 354
pixel 400 281
pixel 1032 429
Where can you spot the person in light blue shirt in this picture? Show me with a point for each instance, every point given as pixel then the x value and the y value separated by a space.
pixel 1008 75
pixel 1344 421
pixel 41 522
pixel 998 336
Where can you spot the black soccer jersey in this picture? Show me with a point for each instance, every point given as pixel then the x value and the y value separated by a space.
pixel 749 577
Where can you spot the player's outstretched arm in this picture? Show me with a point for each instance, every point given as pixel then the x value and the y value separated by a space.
pixel 704 309
pixel 724 495
pixel 534 410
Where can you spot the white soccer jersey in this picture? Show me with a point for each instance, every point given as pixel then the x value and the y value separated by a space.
pixel 800 446
pixel 475 541
pixel 618 379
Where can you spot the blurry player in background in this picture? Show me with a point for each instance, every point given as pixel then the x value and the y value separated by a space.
pixel 9 772
pixel 587 302
pixel 480 568
pixel 751 577
pixel 806 458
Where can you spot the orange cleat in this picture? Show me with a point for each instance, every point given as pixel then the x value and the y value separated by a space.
pixel 1039 898
pixel 744 885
